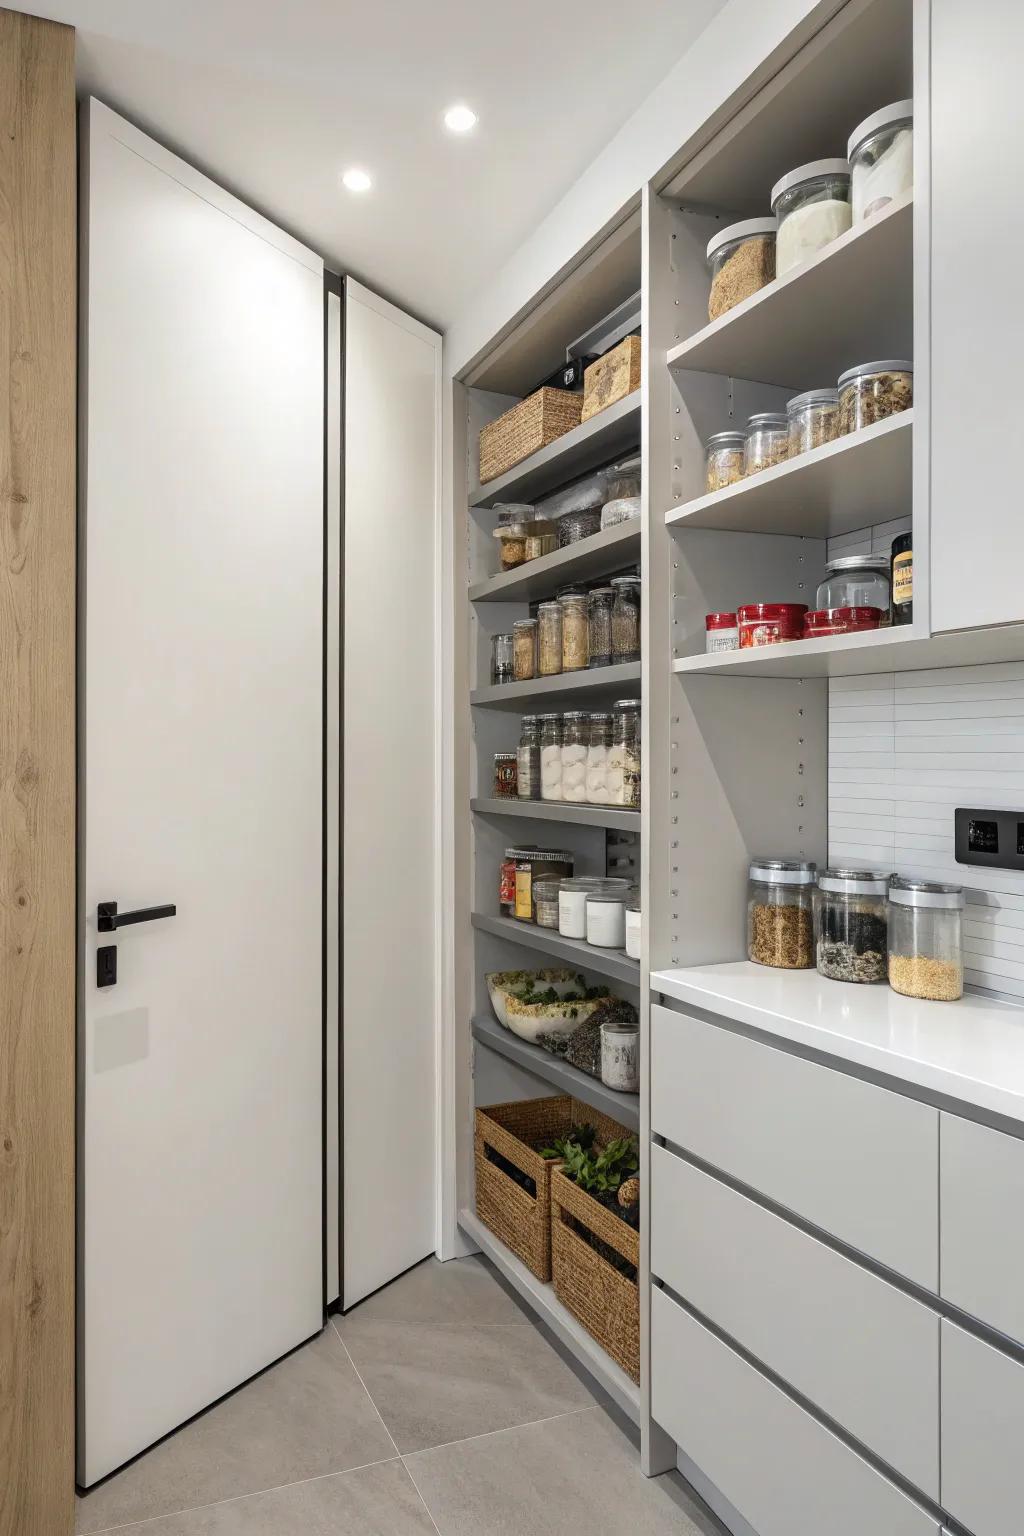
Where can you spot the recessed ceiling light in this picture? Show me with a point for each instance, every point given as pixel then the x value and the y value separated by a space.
pixel 356 180
pixel 460 119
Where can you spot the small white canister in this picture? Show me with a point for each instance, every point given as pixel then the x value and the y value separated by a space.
pixel 606 917
pixel 572 906
pixel 634 931
pixel 620 1057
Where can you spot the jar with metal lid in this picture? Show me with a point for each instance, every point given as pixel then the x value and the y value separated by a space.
pixel 598 748
pixel 545 901
pixel 620 1057
pixel 780 913
pixel 575 744
pixel 541 538
pixel 606 917
pixel 574 526
pixel 514 518
pixel 533 864
pixel 902 577
pixel 742 261
pixel 626 619
pixel 812 205
pixel 813 419
pixel 623 479
pixel 766 442
pixel 507 880
pixel 599 625
pixel 855 581
pixel 926 956
pixel 575 632
pixel 524 649
pixel 550 756
pixel 881 155
pixel 549 639
pixel 506 775
pixel 528 759
pixel 851 925
pixel 623 764
pixel 572 905
pixel 502 659
pixel 723 460
pixel 872 392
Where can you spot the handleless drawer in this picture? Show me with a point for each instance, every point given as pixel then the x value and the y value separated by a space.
pixel 856 1347
pixel 982 1194
pixel 854 1159
pixel 982 1434
pixel 785 1473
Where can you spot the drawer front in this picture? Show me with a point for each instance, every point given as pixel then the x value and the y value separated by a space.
pixel 859 1349
pixel 982 1434
pixel 982 1192
pixel 856 1160
pixel 783 1471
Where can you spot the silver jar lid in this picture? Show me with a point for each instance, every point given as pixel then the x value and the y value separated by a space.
pixel 858 563
pixel 813 397
pixel 926 893
pixel 575 714
pixel 809 172
pixel 885 117
pixel 745 230
pixel 724 440
pixel 551 855
pixel 784 871
pixel 854 882
pixel 868 370
pixel 767 419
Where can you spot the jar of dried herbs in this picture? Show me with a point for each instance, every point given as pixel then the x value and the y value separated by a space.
pixel 524 649
pixel 528 759
pixel 626 619
pixel 549 639
pixel 780 913
pixel 872 392
pixel 575 632
pixel 851 925
pixel 600 601
pixel 742 261
pixel 723 460
pixel 813 420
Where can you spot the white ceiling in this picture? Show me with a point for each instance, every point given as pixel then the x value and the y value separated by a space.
pixel 274 100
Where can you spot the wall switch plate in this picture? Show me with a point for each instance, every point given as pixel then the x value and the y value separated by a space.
pixel 993 838
pixel 106 965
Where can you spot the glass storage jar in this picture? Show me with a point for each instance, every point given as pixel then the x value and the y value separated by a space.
pixel 902 578
pixel 620 1057
pixel 572 905
pixel 812 205
pixel 528 759
pixel 573 526
pixel 623 763
pixel 926 939
pixel 505 775
pixel 770 623
pixel 514 518
pixel 766 442
pixel 598 747
pixel 721 632
pixel 723 460
pixel 625 509
pixel 541 538
pixel 626 619
pixel 502 660
pixel 606 917
pixel 840 621
pixel 855 581
pixel 575 743
pixel 851 925
pixel 524 649
pixel 550 756
pixel 534 864
pixel 881 155
pixel 813 419
pixel 871 392
pixel 575 632
pixel 599 625
pixel 623 479
pixel 545 902
pixel 780 913
pixel 742 261
pixel 549 639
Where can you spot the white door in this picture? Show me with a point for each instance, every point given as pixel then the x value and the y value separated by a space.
pixel 201 1070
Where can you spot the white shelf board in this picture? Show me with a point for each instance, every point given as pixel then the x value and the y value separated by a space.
pixel 623 1107
pixel 854 482
pixel 547 810
pixel 541 1300
pixel 851 303
pixel 586 447
pixel 971 1051
pixel 899 649
pixel 600 684
pixel 603 962
pixel 600 555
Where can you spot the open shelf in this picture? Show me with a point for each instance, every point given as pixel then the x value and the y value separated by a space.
pixel 600 684
pixel 857 480
pixel 873 651
pixel 849 304
pixel 623 1107
pixel 603 962
pixel 586 447
pixel 558 810
pixel 600 555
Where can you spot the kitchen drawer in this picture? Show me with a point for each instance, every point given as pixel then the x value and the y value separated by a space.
pixel 859 1349
pixel 982 1192
pixel 982 1434
pixel 856 1160
pixel 785 1473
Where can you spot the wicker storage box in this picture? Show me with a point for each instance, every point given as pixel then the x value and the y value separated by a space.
pixel 520 1220
pixel 606 1302
pixel 530 425
pixel 612 377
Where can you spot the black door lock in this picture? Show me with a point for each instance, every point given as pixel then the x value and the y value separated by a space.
pixel 106 965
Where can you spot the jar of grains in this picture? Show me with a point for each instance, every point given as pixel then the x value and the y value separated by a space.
pixel 723 460
pixel 813 419
pixel 926 939
pixel 599 625
pixel 545 902
pixel 524 649
pixel 812 205
pixel 626 619
pixel 872 391
pixel 505 775
pixel 575 632
pixel 780 913
pixel 575 743
pixel 598 748
pixel 502 661
pixel 623 771
pixel 574 526
pixel 881 155
pixel 572 905
pixel 855 581
pixel 742 261
pixel 620 1057
pixel 528 759
pixel 549 639
pixel 767 441
pixel 851 925
pixel 550 757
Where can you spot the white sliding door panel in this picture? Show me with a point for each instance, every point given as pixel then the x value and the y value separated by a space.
pixel 332 815
pixel 389 889
pixel 201 1176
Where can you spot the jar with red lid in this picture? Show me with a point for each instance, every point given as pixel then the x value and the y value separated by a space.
pixel 770 623
pixel 722 632
pixel 840 621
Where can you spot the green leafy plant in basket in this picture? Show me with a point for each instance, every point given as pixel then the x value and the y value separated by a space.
pixel 601 1172
pixel 580 1138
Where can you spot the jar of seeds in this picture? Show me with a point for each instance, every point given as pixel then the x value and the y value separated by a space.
pixel 549 639
pixel 528 759
pixel 550 756
pixel 626 619
pixel 575 632
pixel 780 913
pixel 600 602
pixel 926 956
pixel 851 925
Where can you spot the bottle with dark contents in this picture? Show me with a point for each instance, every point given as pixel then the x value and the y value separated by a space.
pixel 903 579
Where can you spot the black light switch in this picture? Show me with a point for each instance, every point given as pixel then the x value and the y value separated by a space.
pixel 989 837
pixel 106 965
pixel 983 836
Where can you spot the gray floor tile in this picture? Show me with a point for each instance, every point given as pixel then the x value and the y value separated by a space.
pixel 578 1473
pixel 307 1416
pixel 433 1385
pixel 461 1291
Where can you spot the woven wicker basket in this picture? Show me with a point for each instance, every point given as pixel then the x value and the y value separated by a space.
pixel 520 1220
pixel 605 1302
pixel 530 425
pixel 613 377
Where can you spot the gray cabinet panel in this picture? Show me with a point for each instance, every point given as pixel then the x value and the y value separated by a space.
pixel 982 1434
pixel 982 1192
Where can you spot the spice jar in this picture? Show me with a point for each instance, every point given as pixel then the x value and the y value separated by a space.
pixel 623 763
pixel 506 775
pixel 550 757
pixel 620 1057
pixel 598 748
pixel 634 929
pixel 721 632
pixel 572 905
pixel 541 538
pixel 599 625
pixel 742 261
pixel 766 443
pixel 902 577
pixel 780 913
pixel 545 902
pixel 528 759
pixel 532 864
pixel 840 621
pixel 575 632
pixel 812 205
pixel 502 660
pixel 626 619
pixel 851 925
pixel 813 419
pixel 871 392
pixel 723 460
pixel 881 155
pixel 926 939
pixel 573 526
pixel 855 581
pixel 606 917
pixel 524 649
pixel 770 623
pixel 549 639
pixel 575 743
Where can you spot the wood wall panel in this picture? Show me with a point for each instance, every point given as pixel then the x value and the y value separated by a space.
pixel 37 774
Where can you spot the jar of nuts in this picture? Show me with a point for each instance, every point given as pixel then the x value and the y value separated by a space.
pixel 780 913
pixel 872 391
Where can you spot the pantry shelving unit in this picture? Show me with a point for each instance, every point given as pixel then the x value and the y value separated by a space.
pixel 592 687
pixel 543 810
pixel 588 446
pixel 562 1075
pixel 599 555
pixel 576 952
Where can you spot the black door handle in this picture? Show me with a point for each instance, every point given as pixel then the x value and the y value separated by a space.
pixel 108 919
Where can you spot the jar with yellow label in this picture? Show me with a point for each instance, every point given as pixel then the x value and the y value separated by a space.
pixel 531 865
pixel 903 579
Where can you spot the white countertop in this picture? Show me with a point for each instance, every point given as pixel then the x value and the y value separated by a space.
pixel 971 1051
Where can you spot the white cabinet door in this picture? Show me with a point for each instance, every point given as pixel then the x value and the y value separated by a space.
pixel 982 1189
pixel 982 1434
